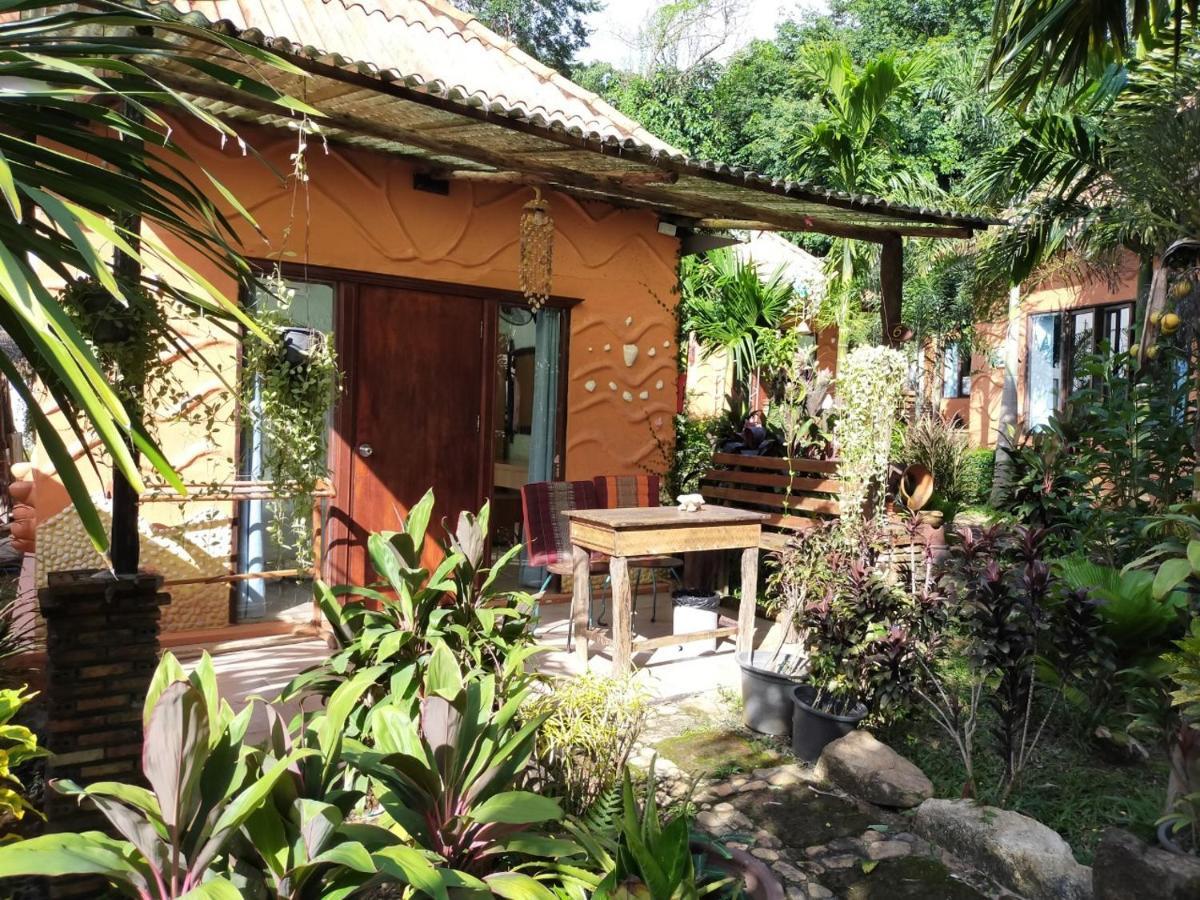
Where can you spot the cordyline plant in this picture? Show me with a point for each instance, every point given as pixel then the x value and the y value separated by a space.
pixel 205 782
pixel 457 606
pixel 446 776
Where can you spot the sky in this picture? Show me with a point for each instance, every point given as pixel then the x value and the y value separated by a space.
pixel 615 26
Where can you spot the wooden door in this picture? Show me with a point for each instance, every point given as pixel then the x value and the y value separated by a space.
pixel 417 398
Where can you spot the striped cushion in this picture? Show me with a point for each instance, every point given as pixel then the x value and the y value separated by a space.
pixel 615 491
pixel 547 535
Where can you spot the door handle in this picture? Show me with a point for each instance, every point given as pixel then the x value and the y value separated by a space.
pixel 365 450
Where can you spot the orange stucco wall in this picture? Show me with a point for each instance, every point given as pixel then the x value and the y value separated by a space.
pixel 981 410
pixel 359 211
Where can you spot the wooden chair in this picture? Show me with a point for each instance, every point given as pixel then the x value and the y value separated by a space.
pixel 547 532
pixel 618 491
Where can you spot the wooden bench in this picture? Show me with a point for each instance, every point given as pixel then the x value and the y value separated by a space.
pixel 795 494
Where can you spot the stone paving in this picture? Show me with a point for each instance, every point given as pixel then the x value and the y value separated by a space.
pixel 820 842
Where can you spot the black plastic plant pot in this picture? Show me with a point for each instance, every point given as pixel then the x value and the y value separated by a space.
pixel 299 344
pixel 1166 839
pixel 813 727
pixel 766 693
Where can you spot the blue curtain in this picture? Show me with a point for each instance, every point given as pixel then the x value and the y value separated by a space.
pixel 544 428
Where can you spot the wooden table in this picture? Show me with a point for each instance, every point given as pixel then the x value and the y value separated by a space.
pixel 654 531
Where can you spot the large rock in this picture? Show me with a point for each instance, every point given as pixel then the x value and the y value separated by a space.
pixel 865 768
pixel 1125 868
pixel 1019 852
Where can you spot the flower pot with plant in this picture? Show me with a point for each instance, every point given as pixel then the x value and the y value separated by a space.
pixel 862 639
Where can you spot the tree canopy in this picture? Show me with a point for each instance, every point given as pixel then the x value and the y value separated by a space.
pixel 552 31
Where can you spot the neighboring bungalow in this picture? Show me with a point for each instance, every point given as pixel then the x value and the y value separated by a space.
pixel 1054 317
pixel 709 373
pixel 403 242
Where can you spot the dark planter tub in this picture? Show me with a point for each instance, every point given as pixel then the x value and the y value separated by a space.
pixel 813 728
pixel 766 694
pixel 757 880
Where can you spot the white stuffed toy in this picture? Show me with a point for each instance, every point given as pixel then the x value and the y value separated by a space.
pixel 690 502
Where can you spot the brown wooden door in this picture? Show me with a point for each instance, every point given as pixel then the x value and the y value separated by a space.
pixel 417 399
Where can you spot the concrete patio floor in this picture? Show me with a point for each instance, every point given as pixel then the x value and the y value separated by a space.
pixel 669 673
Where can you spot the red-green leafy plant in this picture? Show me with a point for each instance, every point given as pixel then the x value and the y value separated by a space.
pixel 458 606
pixel 205 783
pixel 448 773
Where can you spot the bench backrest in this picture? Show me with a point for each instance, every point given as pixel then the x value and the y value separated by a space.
pixel 795 494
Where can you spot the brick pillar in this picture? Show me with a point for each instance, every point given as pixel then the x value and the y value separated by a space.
pixel 101 651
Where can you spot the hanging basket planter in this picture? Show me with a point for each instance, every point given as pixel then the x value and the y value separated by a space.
pixel 299 345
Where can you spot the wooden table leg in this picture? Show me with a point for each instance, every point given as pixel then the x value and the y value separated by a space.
pixel 745 636
pixel 622 614
pixel 581 598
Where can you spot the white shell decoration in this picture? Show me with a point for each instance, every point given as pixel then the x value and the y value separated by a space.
pixel 652 352
pixel 690 502
pixel 644 395
pixel 607 347
pixel 627 397
pixel 629 320
pixel 589 385
pixel 612 385
pixel 631 354
pixel 666 343
pixel 658 385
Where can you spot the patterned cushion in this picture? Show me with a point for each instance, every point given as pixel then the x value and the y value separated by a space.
pixel 547 533
pixel 616 491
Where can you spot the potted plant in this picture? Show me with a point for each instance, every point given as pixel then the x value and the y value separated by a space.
pixel 862 650
pixel 801 571
pixel 1179 828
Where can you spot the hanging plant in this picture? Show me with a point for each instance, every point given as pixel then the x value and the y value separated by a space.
pixel 870 387
pixel 138 341
pixel 288 387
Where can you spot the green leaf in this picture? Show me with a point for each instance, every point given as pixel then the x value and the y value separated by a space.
pixel 517 886
pixel 1193 555
pixel 414 868
pixel 176 747
pixel 1170 575
pixel 517 808
pixel 215 888
pixel 443 676
pixel 52 855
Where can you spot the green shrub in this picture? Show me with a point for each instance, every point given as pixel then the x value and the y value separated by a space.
pixel 975 481
pixel 934 443
pixel 17 744
pixel 592 723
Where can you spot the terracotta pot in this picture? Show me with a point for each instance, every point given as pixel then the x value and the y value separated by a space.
pixel 916 487
pixel 758 881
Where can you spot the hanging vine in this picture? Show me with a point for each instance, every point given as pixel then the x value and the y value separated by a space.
pixel 870 386
pixel 288 387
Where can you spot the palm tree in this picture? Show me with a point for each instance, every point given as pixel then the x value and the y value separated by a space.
pixel 730 307
pixel 852 150
pixel 86 155
pixel 1045 43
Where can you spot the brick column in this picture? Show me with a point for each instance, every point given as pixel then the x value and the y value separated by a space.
pixel 101 650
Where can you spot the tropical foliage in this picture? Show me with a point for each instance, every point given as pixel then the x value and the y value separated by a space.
pixel 89 155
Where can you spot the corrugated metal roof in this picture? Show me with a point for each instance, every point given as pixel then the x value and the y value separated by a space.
pixel 424 80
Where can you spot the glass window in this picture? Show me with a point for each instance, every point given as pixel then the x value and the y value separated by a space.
pixel 1045 367
pixel 266 542
pixel 956 371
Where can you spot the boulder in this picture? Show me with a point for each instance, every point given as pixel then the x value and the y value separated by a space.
pixel 869 770
pixel 1019 852
pixel 1125 867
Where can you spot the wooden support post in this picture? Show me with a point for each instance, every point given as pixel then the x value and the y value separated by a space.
pixel 581 598
pixel 746 610
pixel 622 609
pixel 891 284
